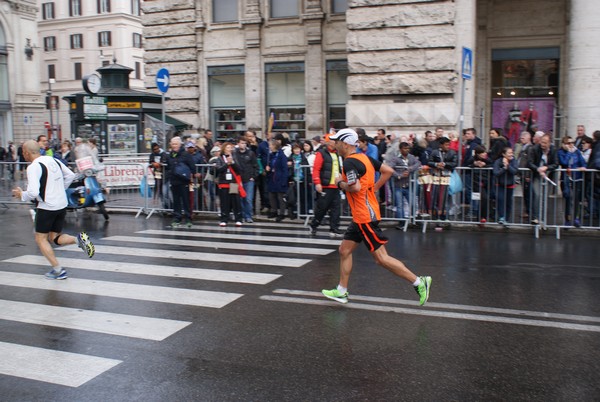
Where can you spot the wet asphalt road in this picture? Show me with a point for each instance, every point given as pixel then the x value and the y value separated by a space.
pixel 510 317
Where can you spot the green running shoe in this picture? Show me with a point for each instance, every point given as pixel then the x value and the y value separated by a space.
pixel 336 295
pixel 84 242
pixel 423 289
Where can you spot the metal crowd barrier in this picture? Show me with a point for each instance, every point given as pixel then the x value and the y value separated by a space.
pixel 12 174
pixel 532 203
pixel 566 200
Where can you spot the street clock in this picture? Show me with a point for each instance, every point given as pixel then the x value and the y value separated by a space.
pixel 91 83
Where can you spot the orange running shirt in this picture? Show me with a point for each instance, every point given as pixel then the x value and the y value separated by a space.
pixel 363 203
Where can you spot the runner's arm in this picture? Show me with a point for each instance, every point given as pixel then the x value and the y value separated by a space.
pixel 385 174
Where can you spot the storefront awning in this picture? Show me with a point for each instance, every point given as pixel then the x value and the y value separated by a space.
pixel 179 125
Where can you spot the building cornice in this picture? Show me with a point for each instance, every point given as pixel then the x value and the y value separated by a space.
pixel 23 7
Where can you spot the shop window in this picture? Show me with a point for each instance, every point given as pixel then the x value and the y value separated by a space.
pixel 524 90
pixel 337 93
pixel 226 97
pixel 286 98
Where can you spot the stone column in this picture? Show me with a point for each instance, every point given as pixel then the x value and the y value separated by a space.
pixel 313 71
pixel 466 26
pixel 583 75
pixel 254 77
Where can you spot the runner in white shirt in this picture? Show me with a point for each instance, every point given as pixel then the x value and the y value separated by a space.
pixel 47 180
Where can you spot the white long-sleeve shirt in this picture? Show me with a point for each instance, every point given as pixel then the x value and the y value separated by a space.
pixel 59 178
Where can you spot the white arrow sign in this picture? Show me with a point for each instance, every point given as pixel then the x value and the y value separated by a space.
pixel 162 80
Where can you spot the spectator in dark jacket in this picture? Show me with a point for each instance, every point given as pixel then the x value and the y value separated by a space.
pixel 481 183
pixel 505 169
pixel 249 172
pixel 262 157
pixel 543 160
pixel 497 143
pixel 180 168
pixel 277 180
pixel 442 162
pixel 594 163
pixel 571 180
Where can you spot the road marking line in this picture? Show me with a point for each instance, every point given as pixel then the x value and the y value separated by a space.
pixel 255 278
pixel 221 245
pixel 51 366
pixel 482 309
pixel 302 230
pixel 155 329
pixel 246 236
pixel 195 256
pixel 440 314
pixel 191 297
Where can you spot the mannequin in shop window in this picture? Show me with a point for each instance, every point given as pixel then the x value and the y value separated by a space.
pixel 530 119
pixel 515 124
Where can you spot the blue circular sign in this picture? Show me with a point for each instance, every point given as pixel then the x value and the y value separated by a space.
pixel 162 80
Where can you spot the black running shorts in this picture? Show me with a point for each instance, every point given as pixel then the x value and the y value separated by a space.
pixel 369 232
pixel 50 221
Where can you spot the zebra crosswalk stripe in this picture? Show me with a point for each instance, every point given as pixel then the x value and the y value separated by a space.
pixel 302 230
pixel 191 297
pixel 255 278
pixel 221 245
pixel 253 236
pixel 52 366
pixel 196 256
pixel 155 329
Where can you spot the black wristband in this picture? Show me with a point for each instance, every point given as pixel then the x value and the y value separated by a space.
pixel 339 184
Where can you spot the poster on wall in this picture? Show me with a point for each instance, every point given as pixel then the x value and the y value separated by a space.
pixel 523 114
pixel 122 138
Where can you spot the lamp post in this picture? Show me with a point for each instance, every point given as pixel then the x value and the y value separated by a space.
pixel 49 94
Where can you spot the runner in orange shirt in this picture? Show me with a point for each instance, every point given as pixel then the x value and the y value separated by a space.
pixel 357 180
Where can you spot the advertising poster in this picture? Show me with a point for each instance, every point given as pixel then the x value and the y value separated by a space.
pixel 122 138
pixel 523 114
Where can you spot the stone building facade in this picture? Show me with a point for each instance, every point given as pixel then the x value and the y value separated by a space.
pixel 21 103
pixel 234 63
pixel 43 39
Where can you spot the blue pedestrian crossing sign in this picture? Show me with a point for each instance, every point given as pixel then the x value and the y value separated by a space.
pixel 467 63
pixel 162 80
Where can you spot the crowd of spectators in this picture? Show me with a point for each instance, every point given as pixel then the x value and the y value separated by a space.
pixel 280 178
